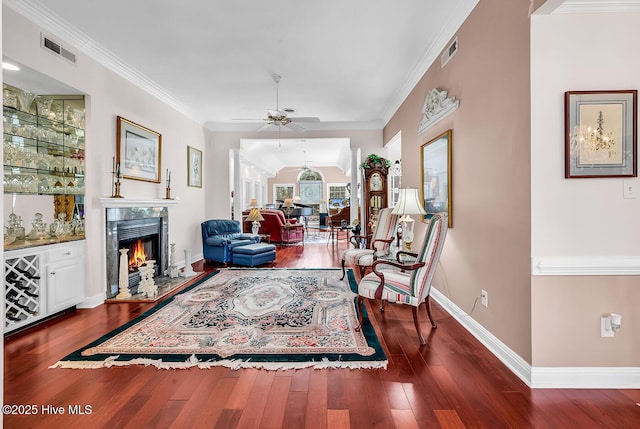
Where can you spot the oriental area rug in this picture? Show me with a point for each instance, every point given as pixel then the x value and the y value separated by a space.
pixel 246 318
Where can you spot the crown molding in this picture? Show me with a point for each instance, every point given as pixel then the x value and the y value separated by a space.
pixel 53 25
pixel 601 6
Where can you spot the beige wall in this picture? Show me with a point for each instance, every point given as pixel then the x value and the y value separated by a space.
pixel 290 175
pixel 574 220
pixel 489 245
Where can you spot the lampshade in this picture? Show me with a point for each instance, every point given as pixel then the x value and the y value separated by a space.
pixel 253 203
pixel 288 202
pixel 409 203
pixel 255 215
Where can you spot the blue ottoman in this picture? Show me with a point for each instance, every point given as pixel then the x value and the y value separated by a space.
pixel 254 254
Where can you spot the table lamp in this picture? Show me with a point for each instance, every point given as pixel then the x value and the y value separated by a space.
pixel 408 204
pixel 288 206
pixel 255 217
pixel 253 203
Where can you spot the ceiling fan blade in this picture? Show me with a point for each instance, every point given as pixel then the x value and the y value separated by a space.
pixel 304 119
pixel 295 127
pixel 268 127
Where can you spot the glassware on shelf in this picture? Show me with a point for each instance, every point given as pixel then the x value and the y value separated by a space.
pixel 44 106
pixel 57 227
pixel 8 236
pixel 25 99
pixel 39 231
pixel 9 97
pixel 15 227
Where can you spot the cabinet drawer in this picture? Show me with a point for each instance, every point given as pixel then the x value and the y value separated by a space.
pixel 64 252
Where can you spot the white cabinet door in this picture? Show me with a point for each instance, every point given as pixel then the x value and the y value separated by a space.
pixel 65 281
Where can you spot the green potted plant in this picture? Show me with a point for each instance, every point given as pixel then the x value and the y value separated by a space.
pixel 374 159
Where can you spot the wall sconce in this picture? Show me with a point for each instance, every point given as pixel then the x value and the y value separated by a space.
pixel 610 324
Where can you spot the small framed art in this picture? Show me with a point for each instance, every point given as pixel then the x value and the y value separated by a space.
pixel 138 151
pixel 194 167
pixel 600 134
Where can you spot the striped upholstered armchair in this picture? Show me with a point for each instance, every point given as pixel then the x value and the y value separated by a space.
pixel 407 283
pixel 379 245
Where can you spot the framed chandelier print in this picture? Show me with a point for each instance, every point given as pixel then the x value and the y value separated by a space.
pixel 600 134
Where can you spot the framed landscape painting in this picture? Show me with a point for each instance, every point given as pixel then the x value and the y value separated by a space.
pixel 435 176
pixel 600 134
pixel 138 151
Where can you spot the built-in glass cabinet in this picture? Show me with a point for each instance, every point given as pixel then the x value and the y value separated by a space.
pixel 44 143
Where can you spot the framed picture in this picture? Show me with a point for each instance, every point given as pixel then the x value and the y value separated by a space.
pixel 194 167
pixel 600 134
pixel 138 151
pixel 282 192
pixel 435 176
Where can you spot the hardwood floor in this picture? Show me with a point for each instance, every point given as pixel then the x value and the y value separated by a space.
pixel 452 382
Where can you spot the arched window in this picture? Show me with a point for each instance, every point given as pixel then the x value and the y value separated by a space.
pixel 310 184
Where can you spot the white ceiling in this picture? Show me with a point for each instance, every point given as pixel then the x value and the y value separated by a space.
pixel 349 63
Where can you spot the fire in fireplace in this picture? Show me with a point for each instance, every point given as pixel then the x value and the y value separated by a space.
pixel 140 251
pixel 144 232
pixel 142 238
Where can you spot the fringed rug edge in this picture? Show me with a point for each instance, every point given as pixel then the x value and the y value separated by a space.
pixel 236 364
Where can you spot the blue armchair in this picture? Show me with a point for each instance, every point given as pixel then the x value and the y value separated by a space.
pixel 220 236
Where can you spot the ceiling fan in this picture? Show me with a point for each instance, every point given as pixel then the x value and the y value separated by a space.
pixel 280 118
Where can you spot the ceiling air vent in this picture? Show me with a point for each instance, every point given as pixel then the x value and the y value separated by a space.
pixel 449 52
pixel 54 47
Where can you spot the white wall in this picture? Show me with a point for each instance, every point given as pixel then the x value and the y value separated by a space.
pixel 573 219
pixel 574 216
pixel 109 95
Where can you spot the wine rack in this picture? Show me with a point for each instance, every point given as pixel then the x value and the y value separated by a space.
pixel 23 301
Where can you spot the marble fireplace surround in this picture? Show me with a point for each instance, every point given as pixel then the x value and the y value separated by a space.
pixel 122 209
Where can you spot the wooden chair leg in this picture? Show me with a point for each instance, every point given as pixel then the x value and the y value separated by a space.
pixel 360 311
pixel 427 303
pixel 363 269
pixel 344 272
pixel 417 325
pixel 382 304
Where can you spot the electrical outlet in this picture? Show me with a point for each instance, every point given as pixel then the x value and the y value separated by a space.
pixel 485 297
pixel 605 327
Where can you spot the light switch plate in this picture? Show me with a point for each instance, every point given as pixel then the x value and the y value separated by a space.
pixel 629 189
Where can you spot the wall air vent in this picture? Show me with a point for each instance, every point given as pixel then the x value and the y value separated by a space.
pixel 54 47
pixel 449 52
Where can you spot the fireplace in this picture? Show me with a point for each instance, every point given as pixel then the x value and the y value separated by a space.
pixel 144 231
pixel 142 237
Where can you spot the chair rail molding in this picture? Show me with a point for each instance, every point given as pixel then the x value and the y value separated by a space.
pixel 585 265
pixel 436 107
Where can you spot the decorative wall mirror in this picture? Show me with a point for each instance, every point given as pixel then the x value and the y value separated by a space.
pixel 435 176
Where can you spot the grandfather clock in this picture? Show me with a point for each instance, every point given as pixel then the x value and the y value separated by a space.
pixel 375 171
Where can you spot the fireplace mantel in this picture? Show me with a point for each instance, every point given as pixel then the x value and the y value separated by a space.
pixel 130 202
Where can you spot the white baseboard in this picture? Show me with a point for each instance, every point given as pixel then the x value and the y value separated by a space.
pixel 93 301
pixel 586 377
pixel 543 377
pixel 512 360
